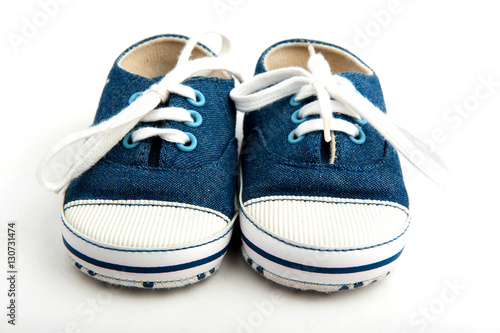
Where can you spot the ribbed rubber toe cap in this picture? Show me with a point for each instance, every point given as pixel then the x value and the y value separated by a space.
pixel 143 224
pixel 329 222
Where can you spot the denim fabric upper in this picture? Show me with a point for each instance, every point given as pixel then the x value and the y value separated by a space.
pixel 157 169
pixel 272 166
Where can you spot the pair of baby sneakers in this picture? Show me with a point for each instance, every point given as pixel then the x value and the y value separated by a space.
pixel 150 188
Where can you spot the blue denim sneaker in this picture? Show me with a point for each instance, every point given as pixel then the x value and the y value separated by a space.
pixel 151 195
pixel 323 205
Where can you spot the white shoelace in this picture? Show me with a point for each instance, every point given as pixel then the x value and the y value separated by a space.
pixel 334 94
pixel 101 138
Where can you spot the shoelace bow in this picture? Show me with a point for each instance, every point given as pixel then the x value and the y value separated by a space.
pixel 337 94
pixel 101 138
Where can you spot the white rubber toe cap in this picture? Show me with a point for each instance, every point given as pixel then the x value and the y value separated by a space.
pixel 329 222
pixel 143 224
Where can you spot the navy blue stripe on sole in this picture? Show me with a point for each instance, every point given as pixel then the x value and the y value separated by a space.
pixel 316 269
pixel 144 270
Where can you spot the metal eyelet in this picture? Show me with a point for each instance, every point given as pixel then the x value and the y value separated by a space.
pixel 292 139
pixel 361 138
pixel 200 99
pixel 134 97
pixel 192 143
pixel 197 119
pixel 128 143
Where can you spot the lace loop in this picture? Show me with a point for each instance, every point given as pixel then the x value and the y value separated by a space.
pixel 99 139
pixel 333 93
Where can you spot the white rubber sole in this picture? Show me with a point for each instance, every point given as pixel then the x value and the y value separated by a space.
pixel 304 267
pixel 147 268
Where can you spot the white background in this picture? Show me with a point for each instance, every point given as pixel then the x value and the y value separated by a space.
pixel 431 57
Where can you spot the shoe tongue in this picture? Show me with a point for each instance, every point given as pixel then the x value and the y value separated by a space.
pixel 313 148
pixel 349 154
pixel 341 151
pixel 318 65
pixel 141 66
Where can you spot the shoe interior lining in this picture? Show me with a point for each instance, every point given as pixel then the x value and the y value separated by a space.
pixel 297 54
pixel 158 57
